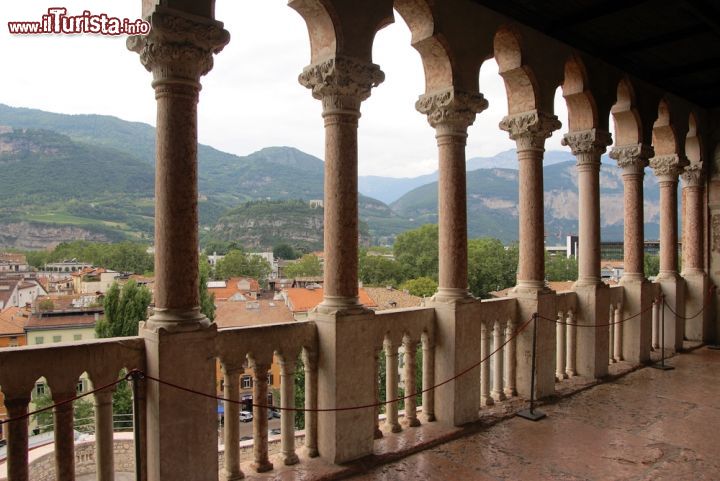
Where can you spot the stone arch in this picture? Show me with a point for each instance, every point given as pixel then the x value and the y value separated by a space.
pixel 343 29
pixel 693 141
pixel 520 82
pixel 582 108
pixel 628 123
pixel 321 28
pixel 665 140
pixel 431 46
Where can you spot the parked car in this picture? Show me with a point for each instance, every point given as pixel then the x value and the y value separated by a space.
pixel 274 413
pixel 246 438
pixel 275 432
pixel 246 416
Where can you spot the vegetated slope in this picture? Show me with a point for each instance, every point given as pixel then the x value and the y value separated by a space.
pixel 493 196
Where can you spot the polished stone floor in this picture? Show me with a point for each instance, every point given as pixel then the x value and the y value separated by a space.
pixel 647 425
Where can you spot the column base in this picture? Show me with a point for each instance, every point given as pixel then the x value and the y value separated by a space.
pixel 290 459
pixel 231 477
pixel 262 467
pixel 414 423
pixel 450 294
pixel 697 306
pixel 593 345
pixel 457 338
pixel 530 300
pixel 311 452
pixel 637 332
pixel 176 320
pixel 346 377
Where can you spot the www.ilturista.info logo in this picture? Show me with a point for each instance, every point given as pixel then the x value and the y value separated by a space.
pixel 57 21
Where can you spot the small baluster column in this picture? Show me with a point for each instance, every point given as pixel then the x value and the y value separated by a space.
pixel 450 113
pixel 656 324
pixel 561 342
pixel 17 438
pixel 311 427
pixel 510 389
pixel 231 437
pixel 428 396
pixel 260 420
pixel 64 436
pixel 104 443
pixel 391 386
pixel 611 334
pixel 485 340
pixel 287 403
pixel 498 339
pixel 571 345
pixel 618 328
pixel 376 385
pixel 410 384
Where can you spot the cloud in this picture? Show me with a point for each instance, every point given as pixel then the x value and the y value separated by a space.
pixel 251 99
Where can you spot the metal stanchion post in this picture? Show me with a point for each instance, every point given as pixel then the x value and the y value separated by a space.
pixel 662 365
pixel 531 413
pixel 137 435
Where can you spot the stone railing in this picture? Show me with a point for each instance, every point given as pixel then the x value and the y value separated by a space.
pixel 62 365
pixel 497 373
pixel 615 324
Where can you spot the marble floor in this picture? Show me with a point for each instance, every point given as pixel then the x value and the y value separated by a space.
pixel 647 425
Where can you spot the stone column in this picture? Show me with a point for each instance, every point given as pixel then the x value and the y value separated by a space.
pixel 261 461
pixel 636 340
pixel 667 168
pixel 529 131
pixel 104 442
pixel 179 340
pixel 593 297
pixel 17 437
pixel 287 401
pixel 498 339
pixel 428 396
pixel 391 386
pixel 231 470
pixel 697 326
pixel 342 83
pixel 450 113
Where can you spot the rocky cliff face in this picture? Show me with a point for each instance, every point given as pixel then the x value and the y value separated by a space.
pixel 29 235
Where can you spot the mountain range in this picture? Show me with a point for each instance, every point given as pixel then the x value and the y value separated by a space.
pixel 92 177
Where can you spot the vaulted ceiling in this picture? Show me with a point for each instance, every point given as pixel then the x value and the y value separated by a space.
pixel 673 44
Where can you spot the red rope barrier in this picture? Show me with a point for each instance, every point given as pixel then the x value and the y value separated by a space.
pixel 563 323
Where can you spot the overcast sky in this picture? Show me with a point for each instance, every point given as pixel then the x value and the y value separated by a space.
pixel 251 99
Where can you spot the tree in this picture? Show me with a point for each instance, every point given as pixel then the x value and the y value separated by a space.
pixel 83 411
pixel 560 268
pixel 285 251
pixel 46 305
pixel 308 265
pixel 417 252
pixel 236 263
pixel 652 265
pixel 491 267
pixel 124 309
pixel 379 271
pixel 422 286
pixel 122 256
pixel 207 300
pixel 221 247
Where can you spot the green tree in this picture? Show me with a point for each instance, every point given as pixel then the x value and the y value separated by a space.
pixel 422 286
pixel 652 265
pixel 83 411
pixel 308 265
pixel 491 266
pixel 207 300
pixel 122 256
pixel 46 305
pixel 417 252
pixel 285 251
pixel 560 268
pixel 221 247
pixel 237 263
pixel 379 271
pixel 124 309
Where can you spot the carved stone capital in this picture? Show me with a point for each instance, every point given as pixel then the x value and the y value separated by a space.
pixel 588 145
pixel 530 129
pixel 179 47
pixel 632 158
pixel 451 107
pixel 670 165
pixel 342 83
pixel 693 175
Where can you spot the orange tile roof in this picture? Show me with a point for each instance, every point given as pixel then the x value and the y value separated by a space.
pixel 236 314
pixel 77 319
pixel 225 293
pixel 302 300
pixel 12 322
